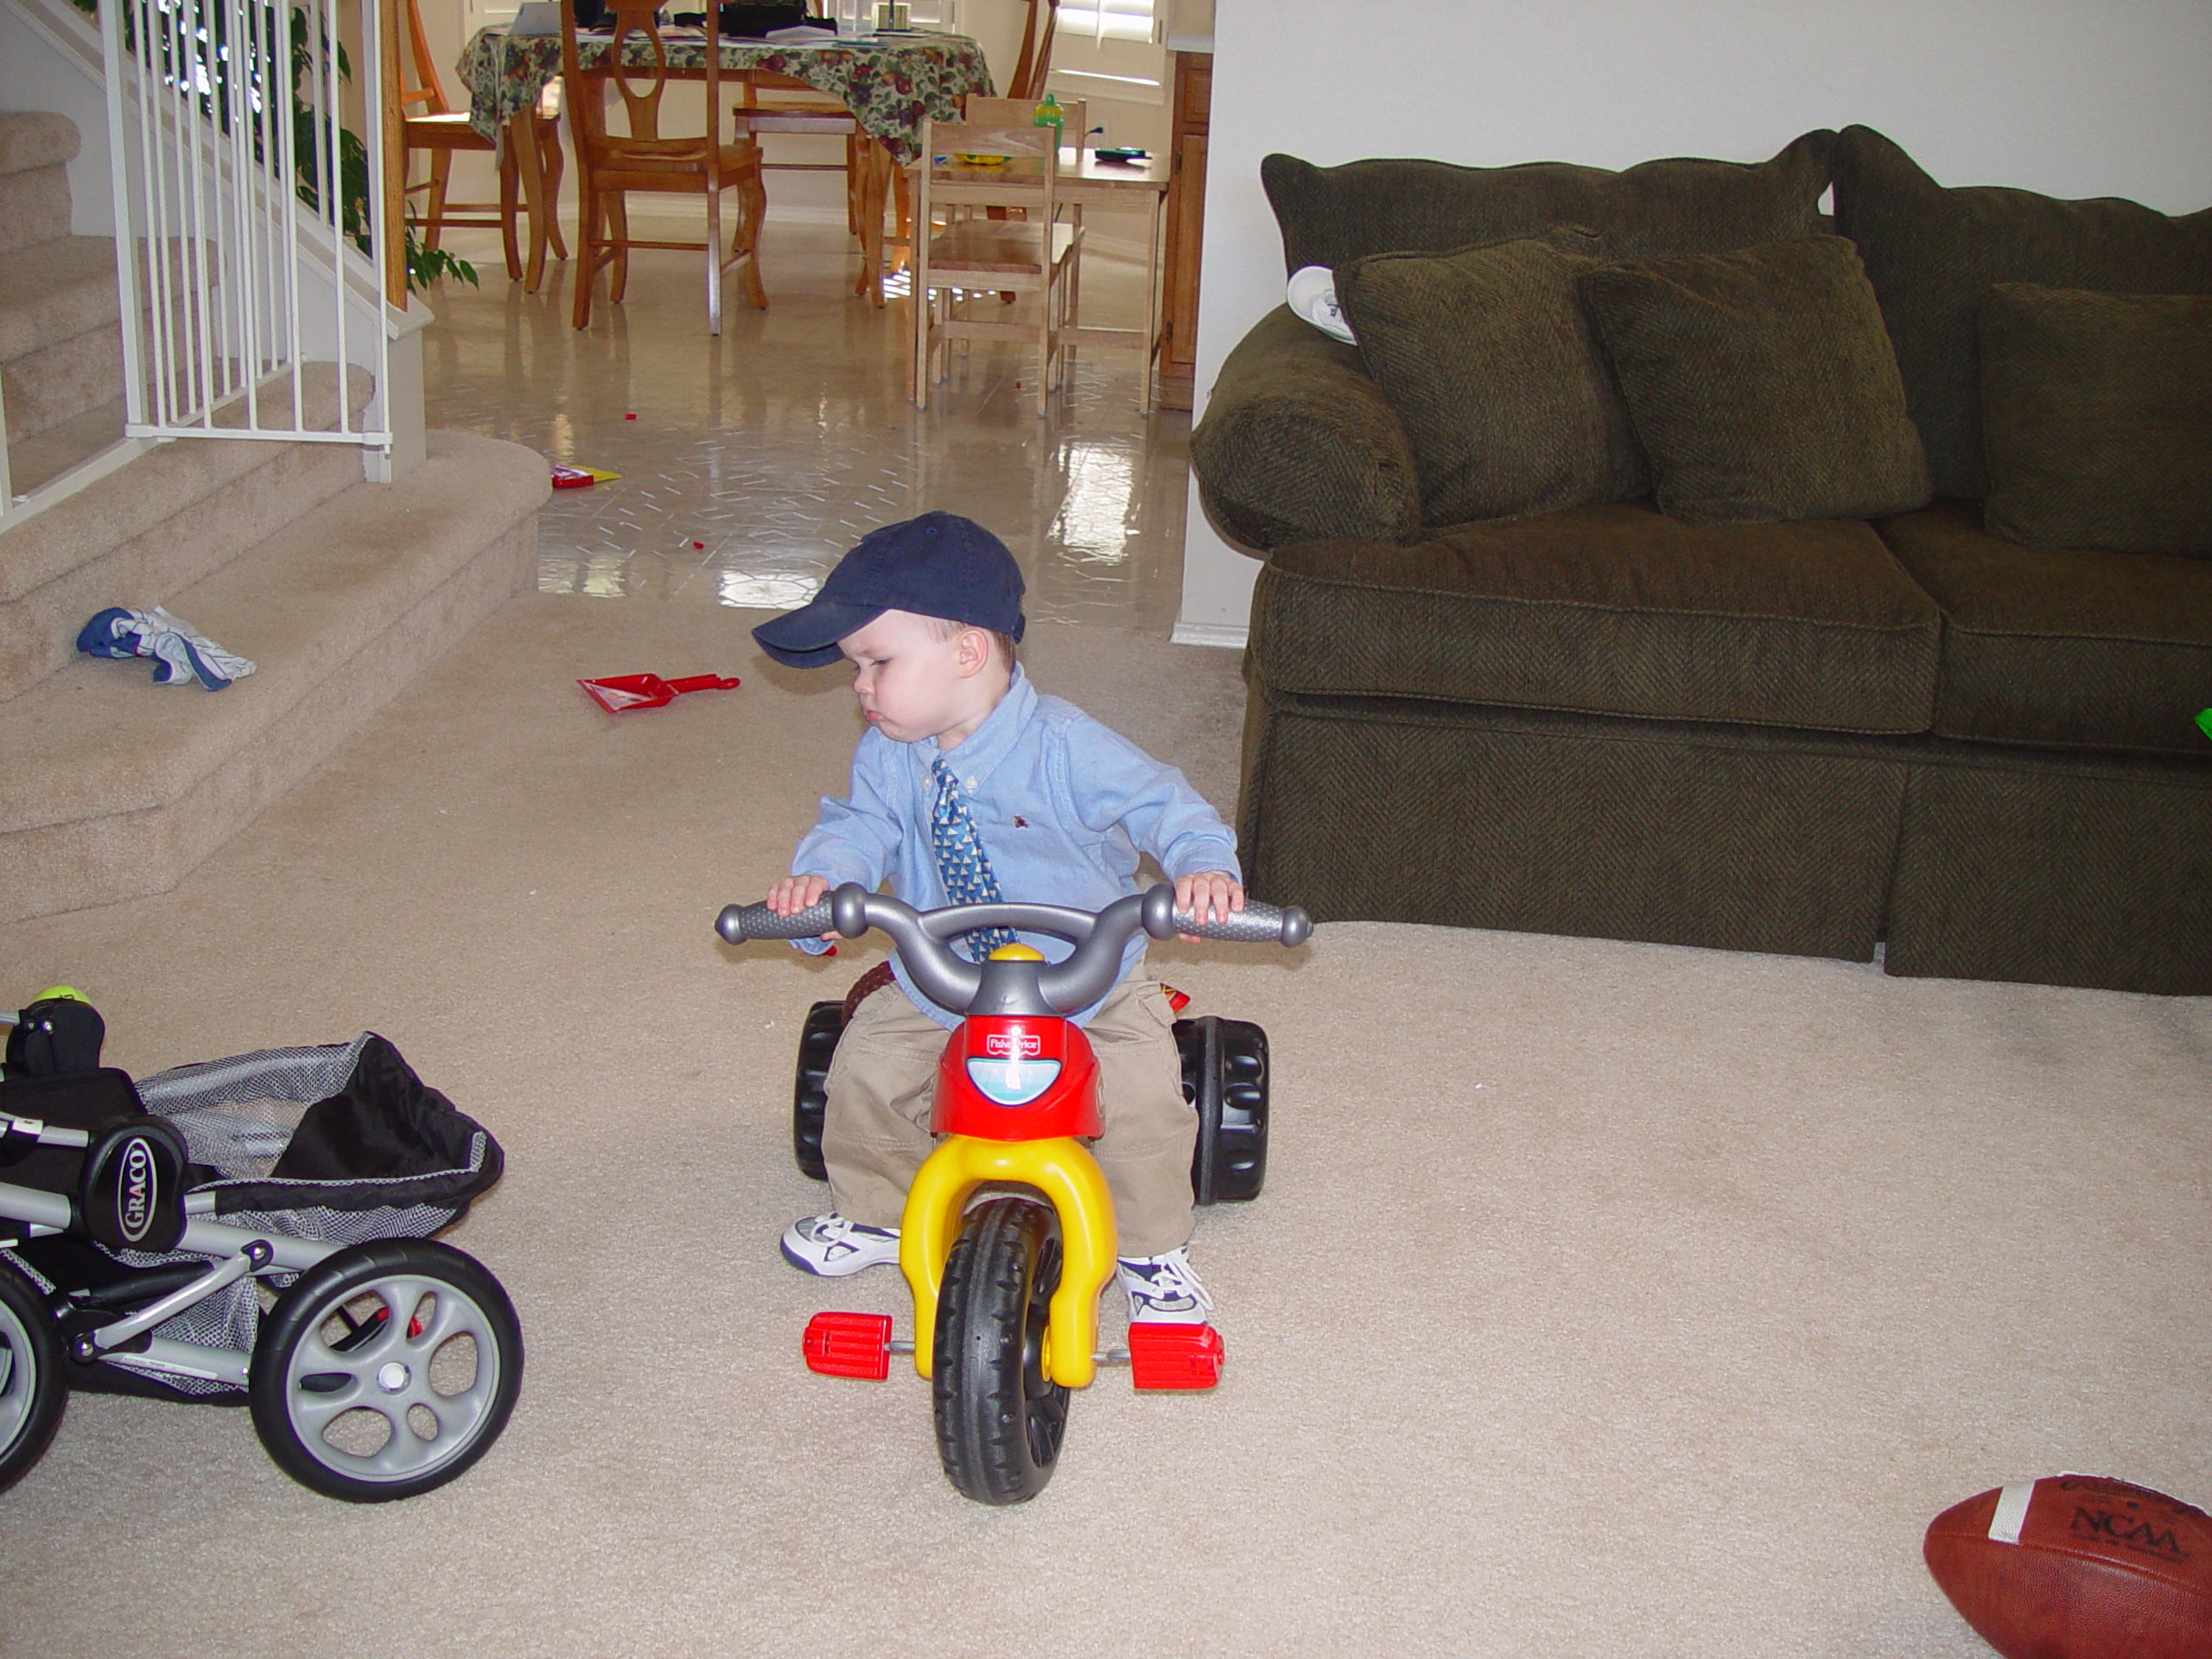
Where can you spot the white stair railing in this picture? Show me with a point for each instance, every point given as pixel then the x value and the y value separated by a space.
pixel 246 215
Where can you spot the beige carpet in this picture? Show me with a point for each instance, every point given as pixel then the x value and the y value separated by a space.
pixel 1604 1299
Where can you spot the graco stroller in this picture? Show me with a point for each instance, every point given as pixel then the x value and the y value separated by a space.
pixel 251 1230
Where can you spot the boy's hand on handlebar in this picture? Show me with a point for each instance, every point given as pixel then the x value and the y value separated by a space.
pixel 1210 895
pixel 795 892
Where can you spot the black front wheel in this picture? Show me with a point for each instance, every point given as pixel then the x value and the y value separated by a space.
pixel 999 1419
pixel 385 1369
pixel 33 1392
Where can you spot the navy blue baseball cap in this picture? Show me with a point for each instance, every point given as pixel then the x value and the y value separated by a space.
pixel 939 564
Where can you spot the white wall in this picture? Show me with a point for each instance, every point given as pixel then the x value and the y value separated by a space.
pixel 2072 98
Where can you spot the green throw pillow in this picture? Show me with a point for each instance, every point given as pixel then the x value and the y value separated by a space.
pixel 1761 383
pixel 1933 251
pixel 2097 413
pixel 1491 366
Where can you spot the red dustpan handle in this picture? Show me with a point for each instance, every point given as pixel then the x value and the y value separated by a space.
pixel 703 683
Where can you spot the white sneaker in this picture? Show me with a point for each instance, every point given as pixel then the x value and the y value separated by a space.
pixel 1163 1289
pixel 833 1247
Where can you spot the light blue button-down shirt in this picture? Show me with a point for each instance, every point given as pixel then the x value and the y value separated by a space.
pixel 1062 806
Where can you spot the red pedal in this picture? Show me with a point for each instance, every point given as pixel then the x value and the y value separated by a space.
pixel 1164 1356
pixel 851 1344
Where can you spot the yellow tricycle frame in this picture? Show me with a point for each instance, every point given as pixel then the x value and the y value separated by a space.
pixel 1063 1170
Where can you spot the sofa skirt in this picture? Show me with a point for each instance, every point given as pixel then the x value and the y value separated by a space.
pixel 1967 861
pixel 1735 838
pixel 2056 869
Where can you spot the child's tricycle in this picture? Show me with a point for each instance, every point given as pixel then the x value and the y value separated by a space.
pixel 254 1230
pixel 1005 1293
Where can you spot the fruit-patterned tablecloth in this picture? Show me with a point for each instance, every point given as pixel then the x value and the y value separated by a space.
pixel 889 81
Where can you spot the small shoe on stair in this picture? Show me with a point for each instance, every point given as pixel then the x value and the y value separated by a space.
pixel 1162 1289
pixel 832 1246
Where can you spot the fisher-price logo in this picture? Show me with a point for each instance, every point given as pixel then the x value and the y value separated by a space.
pixel 1000 1044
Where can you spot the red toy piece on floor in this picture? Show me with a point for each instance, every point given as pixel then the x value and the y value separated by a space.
pixel 620 692
pixel 580 478
pixel 2078 1566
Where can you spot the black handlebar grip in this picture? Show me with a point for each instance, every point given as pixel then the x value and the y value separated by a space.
pixel 739 923
pixel 1256 924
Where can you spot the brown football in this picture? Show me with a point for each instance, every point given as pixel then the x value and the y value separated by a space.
pixel 2077 1566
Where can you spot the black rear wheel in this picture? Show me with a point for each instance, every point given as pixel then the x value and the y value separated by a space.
pixel 1225 1080
pixel 817 1042
pixel 999 1420
pixel 33 1392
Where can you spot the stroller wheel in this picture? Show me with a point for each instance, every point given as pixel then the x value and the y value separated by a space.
pixel 387 1370
pixel 33 1394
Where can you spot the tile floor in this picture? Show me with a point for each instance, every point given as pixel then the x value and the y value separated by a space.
pixel 750 463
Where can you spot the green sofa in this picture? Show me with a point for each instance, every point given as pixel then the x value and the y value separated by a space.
pixel 1672 561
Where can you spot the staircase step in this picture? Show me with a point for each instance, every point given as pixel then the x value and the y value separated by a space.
pixel 115 788
pixel 61 446
pixel 35 149
pixel 61 334
pixel 54 290
pixel 34 138
pixel 59 381
pixel 149 530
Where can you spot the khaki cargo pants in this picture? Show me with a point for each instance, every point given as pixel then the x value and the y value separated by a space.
pixel 875 1126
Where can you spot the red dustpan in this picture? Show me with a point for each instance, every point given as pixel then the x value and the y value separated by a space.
pixel 620 692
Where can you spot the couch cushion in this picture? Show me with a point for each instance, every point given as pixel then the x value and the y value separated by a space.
pixel 2062 647
pixel 1489 360
pixel 1761 383
pixel 1611 610
pixel 1933 253
pixel 1331 215
pixel 2097 409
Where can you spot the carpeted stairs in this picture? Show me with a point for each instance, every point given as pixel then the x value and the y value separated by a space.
pixel 340 591
pixel 61 337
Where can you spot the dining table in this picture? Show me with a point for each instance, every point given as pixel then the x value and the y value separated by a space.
pixel 891 81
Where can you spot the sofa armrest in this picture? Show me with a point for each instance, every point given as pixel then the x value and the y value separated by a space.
pixel 1297 444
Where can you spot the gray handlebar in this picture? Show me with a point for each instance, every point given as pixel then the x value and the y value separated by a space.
pixel 1256 924
pixel 940 975
pixel 845 911
pixel 739 923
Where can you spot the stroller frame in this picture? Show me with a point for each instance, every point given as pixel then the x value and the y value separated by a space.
pixel 134 1261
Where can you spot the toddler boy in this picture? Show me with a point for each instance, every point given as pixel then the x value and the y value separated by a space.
pixel 969 786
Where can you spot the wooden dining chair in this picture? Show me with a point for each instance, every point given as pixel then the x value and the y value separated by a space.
pixel 797 107
pixel 867 167
pixel 1036 60
pixel 980 257
pixel 1022 112
pixel 1019 112
pixel 430 126
pixel 609 166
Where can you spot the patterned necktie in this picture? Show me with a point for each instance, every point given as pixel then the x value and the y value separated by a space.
pixel 960 861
